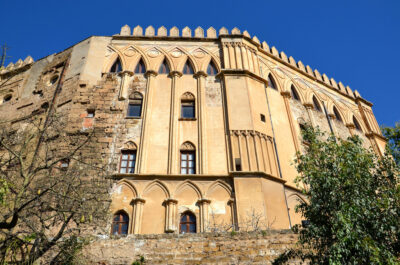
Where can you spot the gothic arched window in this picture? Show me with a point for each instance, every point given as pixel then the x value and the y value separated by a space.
pixel 135 105
pixel 187 68
pixel 188 106
pixel 140 67
pixel 128 161
pixel 116 67
pixel 295 95
pixel 316 104
pixel 120 223
pixel 337 115
pixel 188 158
pixel 164 69
pixel 271 82
pixel 187 223
pixel 212 69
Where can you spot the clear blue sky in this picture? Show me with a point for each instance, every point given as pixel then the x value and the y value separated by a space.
pixel 356 42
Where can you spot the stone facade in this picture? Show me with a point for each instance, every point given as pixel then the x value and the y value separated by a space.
pixel 244 133
pixel 225 248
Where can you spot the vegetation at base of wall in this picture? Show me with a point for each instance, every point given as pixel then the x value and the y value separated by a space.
pixel 393 145
pixel 56 190
pixel 353 207
pixel 140 261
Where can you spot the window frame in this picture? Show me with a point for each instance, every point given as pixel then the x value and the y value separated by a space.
pixel 187 168
pixel 164 66
pixel 186 103
pixel 118 66
pixel 120 223
pixel 140 67
pixel 127 167
pixel 187 223
pixel 212 69
pixel 188 68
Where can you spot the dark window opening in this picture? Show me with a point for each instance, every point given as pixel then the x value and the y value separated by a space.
pixel 212 69
pixel 7 98
pixel 271 82
pixel 188 165
pixel 64 164
pixel 188 110
pixel 337 115
pixel 90 114
pixel 357 124
pixel 294 94
pixel 140 67
pixel 135 108
pixel 54 79
pixel 262 117
pixel 120 224
pixel 187 223
pixel 238 164
pixel 316 104
pixel 128 161
pixel 187 68
pixel 164 69
pixel 116 67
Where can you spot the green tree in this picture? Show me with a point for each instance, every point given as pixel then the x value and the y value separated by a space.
pixel 353 208
pixel 393 146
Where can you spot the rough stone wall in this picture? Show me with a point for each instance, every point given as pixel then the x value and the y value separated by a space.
pixel 242 248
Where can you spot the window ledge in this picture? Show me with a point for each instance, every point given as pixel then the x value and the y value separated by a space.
pixel 187 119
pixel 133 118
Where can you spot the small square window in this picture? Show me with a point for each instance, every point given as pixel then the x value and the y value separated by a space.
pixel 262 117
pixel 64 164
pixel 188 109
pixel 135 109
pixel 90 114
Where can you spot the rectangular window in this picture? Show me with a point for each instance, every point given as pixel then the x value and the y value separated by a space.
pixel 135 108
pixel 262 117
pixel 188 165
pixel 188 109
pixel 128 161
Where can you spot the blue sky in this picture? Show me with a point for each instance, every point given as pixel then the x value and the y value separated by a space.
pixel 356 42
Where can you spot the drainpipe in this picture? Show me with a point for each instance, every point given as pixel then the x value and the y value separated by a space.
pixel 329 119
pixel 277 155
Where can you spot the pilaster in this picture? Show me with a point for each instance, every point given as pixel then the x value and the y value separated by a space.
pixel 170 214
pixel 137 214
pixel 123 91
pixel 203 204
pixel 201 122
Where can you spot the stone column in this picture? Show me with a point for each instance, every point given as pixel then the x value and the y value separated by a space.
pixel 309 108
pixel 143 147
pixel 170 215
pixel 244 57
pixel 231 204
pixel 232 58
pixel 226 55
pixel 201 121
pixel 203 219
pixel 238 56
pixel 137 213
pixel 123 91
pixel 172 123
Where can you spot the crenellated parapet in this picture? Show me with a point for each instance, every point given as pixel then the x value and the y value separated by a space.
pixel 11 67
pixel 211 33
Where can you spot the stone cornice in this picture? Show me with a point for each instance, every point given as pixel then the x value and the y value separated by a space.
pixel 229 72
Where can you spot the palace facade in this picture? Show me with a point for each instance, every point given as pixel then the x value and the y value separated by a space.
pixel 199 129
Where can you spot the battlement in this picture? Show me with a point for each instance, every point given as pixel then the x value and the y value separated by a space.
pixel 18 65
pixel 211 33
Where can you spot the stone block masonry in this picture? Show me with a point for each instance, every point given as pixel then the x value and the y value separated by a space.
pixel 204 248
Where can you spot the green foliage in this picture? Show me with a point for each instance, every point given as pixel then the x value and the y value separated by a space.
pixel 139 261
pixel 233 233
pixel 354 204
pixel 393 146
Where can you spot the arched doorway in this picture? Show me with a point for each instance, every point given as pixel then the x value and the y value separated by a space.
pixel 187 223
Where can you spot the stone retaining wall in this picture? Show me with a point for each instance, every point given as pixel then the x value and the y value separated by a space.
pixel 206 248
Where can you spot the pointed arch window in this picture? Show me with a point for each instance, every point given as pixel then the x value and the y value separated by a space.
pixel 295 95
pixel 164 69
pixel 337 115
pixel 187 68
pixel 188 159
pixel 140 67
pixel 127 162
pixel 135 105
pixel 116 67
pixel 212 69
pixel 187 223
pixel 271 82
pixel 357 124
pixel 188 106
pixel 120 223
pixel 316 104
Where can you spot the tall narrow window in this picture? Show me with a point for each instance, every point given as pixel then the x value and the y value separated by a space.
pixel 316 104
pixel 164 69
pixel 188 106
pixel 212 69
pixel 135 105
pixel 120 224
pixel 187 68
pixel 271 82
pixel 187 223
pixel 357 124
pixel 294 93
pixel 116 67
pixel 140 67
pixel 188 158
pixel 337 115
pixel 128 161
